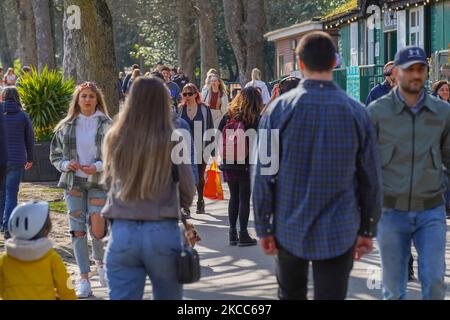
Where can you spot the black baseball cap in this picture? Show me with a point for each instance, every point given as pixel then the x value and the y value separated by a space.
pixel 408 56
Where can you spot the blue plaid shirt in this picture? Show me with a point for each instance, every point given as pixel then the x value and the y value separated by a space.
pixel 328 187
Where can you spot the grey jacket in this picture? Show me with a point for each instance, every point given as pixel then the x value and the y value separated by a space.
pixel 64 148
pixel 413 148
pixel 163 206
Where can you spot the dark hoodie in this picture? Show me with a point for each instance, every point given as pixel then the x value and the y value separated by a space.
pixel 19 134
pixel 3 147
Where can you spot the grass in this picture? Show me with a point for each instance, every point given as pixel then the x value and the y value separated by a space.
pixel 59 207
pixel 36 191
pixel 52 190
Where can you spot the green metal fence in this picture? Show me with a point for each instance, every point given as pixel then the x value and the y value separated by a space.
pixel 357 81
pixel 370 76
pixel 340 77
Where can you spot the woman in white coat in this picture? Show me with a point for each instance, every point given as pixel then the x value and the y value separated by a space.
pixel 214 95
pixel 257 83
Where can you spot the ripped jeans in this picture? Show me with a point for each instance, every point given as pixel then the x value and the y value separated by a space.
pixel 82 203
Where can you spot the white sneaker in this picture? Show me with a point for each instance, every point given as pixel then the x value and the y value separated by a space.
pixel 84 289
pixel 102 276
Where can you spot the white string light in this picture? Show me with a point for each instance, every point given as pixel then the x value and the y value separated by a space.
pixel 383 10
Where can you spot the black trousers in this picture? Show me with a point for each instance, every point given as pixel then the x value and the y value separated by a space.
pixel 330 276
pixel 239 205
pixel 201 181
pixel 2 173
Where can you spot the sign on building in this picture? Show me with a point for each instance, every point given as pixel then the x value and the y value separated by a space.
pixel 390 21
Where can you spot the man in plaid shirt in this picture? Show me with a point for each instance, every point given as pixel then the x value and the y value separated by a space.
pixel 324 203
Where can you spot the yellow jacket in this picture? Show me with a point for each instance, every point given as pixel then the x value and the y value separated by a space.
pixel 33 270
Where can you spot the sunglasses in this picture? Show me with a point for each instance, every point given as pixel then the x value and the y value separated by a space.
pixel 87 84
pixel 190 94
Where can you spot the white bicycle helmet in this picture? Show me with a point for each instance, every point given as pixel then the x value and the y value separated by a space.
pixel 28 219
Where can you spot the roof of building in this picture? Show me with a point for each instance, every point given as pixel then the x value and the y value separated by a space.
pixel 294 30
pixel 350 5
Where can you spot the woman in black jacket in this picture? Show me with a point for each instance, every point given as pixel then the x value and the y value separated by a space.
pixel 243 113
pixel 193 111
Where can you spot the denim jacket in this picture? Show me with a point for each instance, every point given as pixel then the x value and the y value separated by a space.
pixel 64 148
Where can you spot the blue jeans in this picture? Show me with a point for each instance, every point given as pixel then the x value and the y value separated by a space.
pixel 9 190
pixel 427 229
pixel 447 199
pixel 81 204
pixel 137 249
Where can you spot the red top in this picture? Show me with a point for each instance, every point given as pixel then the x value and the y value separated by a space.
pixel 213 104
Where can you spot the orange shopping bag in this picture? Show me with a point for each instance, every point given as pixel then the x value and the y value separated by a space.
pixel 213 184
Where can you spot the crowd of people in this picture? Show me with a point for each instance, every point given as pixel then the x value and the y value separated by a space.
pixel 344 175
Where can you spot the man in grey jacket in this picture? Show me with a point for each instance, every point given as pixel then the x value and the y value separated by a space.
pixel 413 131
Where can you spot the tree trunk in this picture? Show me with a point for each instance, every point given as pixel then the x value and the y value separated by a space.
pixel 244 23
pixel 44 35
pixel 188 41
pixel 231 72
pixel 89 53
pixel 27 33
pixel 56 18
pixel 208 48
pixel 5 52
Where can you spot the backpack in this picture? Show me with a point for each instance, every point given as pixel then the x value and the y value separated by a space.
pixel 233 137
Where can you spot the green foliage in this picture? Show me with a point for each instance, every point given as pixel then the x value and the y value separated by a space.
pixel 158 29
pixel 150 29
pixel 46 97
pixel 17 68
pixel 283 13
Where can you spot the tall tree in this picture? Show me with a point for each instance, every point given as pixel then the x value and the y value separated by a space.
pixel 27 33
pixel 5 53
pixel 44 35
pixel 89 50
pixel 188 40
pixel 11 30
pixel 208 48
pixel 57 18
pixel 244 22
pixel 126 15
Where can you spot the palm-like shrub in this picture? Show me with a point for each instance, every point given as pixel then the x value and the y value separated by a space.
pixel 46 97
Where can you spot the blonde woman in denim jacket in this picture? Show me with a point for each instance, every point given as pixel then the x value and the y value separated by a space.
pixel 76 152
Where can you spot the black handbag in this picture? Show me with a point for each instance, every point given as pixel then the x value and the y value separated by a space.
pixel 188 265
pixel 188 261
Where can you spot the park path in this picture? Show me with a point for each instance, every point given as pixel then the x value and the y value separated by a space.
pixel 228 273
pixel 233 273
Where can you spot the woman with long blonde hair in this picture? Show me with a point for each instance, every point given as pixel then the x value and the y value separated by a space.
pixel 76 151
pixel 10 78
pixel 215 96
pixel 143 203
pixel 261 85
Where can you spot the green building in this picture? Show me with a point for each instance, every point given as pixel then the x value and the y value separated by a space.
pixel 371 31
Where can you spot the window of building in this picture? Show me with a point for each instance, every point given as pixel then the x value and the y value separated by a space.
pixel 294 47
pixel 354 44
pixel 281 65
pixel 415 27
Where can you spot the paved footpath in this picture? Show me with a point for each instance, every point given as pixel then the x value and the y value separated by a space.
pixel 233 273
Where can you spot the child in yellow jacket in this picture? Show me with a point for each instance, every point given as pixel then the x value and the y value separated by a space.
pixel 31 269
